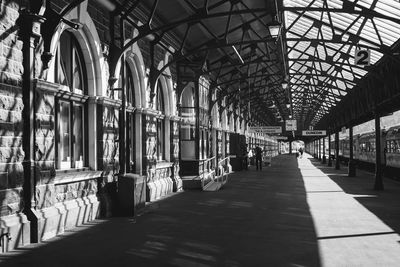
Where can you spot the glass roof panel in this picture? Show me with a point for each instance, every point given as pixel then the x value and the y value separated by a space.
pixel 334 37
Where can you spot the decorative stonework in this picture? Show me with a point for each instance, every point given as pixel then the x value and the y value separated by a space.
pixel 150 136
pixel 159 181
pixel 108 134
pixel 65 192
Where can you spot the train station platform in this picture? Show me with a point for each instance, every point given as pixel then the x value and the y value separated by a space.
pixel 296 212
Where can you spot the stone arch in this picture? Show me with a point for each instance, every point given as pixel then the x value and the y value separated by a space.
pixel 215 115
pixel 231 118
pixel 167 87
pixel 184 92
pixel 135 61
pixel 90 44
pixel 224 119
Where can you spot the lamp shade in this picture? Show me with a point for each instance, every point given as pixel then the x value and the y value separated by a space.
pixel 274 28
pixel 284 85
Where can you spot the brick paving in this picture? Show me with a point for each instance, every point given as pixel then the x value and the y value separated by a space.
pixel 296 212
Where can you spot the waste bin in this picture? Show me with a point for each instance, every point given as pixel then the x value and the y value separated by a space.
pixel 131 194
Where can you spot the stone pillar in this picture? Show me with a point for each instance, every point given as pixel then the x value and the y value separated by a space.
pixel 138 142
pixel 337 162
pixel 352 166
pixel 378 160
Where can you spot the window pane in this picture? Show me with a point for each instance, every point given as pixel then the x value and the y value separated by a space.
pixel 64 70
pixel 188 150
pixel 77 72
pixel 160 139
pixel 130 87
pixel 65 136
pixel 78 136
pixel 187 132
pixel 160 100
pixel 131 142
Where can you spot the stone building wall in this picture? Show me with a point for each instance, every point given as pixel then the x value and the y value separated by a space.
pixel 11 124
pixel 66 198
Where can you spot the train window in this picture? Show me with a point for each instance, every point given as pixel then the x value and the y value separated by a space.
pixel 372 144
pixel 397 146
pixel 389 146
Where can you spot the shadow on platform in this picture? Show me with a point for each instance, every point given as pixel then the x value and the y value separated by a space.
pixel 260 218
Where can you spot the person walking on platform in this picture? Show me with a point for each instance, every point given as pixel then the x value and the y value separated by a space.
pixel 258 158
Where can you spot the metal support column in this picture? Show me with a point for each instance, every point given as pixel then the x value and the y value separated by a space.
pixel 30 33
pixel 319 149
pixel 315 148
pixel 378 160
pixel 323 151
pixel 329 150
pixel 337 162
pixel 352 166
pixel 122 122
pixel 197 130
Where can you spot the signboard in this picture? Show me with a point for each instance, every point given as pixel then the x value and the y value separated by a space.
pixel 291 125
pixel 362 57
pixel 281 138
pixel 266 129
pixel 314 133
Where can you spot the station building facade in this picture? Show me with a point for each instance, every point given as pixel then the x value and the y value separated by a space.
pixel 61 120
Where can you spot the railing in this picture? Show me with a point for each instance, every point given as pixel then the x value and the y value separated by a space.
pixel 216 178
pixel 206 166
pixel 222 165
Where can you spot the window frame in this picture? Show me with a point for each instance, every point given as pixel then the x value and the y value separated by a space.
pixel 160 124
pixel 76 97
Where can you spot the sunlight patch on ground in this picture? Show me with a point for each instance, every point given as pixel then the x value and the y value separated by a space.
pixel 348 233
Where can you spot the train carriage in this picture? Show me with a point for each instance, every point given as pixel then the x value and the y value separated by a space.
pixel 392 147
pixel 367 147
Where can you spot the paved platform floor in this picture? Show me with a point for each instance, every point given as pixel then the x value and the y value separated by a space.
pixel 296 212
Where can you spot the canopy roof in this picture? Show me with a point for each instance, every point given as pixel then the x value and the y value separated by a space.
pixel 315 52
pixel 322 37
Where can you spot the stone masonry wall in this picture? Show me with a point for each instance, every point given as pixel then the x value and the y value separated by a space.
pixel 11 106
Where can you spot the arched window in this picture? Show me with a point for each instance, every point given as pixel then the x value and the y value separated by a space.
pixel 160 124
pixel 130 99
pixel 70 108
pixel 129 84
pixel 69 67
pixel 188 125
